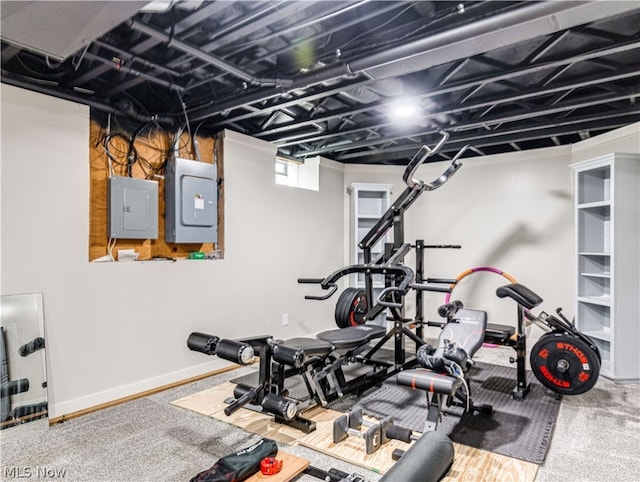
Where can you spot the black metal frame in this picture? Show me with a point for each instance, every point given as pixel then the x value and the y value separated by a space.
pixel 399 279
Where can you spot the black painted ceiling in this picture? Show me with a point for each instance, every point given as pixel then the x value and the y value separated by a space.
pixel 323 77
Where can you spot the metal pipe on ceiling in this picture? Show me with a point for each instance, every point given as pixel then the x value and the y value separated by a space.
pixel 128 56
pixel 11 79
pixel 121 67
pixel 201 14
pixel 508 28
pixel 209 58
pixel 445 88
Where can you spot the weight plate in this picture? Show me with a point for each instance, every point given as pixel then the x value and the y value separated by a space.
pixel 564 363
pixel 351 308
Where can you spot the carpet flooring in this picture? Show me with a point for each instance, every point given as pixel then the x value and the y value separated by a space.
pixel 596 439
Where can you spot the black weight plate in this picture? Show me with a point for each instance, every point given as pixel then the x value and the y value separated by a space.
pixel 351 308
pixel 564 363
pixel 342 309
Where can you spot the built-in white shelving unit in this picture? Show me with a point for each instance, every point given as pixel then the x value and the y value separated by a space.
pixel 367 203
pixel 607 202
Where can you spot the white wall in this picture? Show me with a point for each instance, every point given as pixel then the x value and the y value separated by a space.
pixel 117 329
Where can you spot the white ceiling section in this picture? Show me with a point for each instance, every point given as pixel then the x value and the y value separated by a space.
pixel 59 29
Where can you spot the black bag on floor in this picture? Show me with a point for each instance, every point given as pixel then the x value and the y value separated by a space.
pixel 239 466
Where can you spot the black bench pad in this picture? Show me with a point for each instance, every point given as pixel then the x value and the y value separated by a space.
pixel 310 346
pixel 352 336
pixel 495 333
pixel 520 294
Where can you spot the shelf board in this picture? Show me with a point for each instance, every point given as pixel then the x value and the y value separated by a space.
pixel 596 204
pixel 596 300
pixel 597 275
pixel 593 253
pixel 369 216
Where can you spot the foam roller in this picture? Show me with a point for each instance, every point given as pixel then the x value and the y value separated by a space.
pixel 428 460
pixel 203 343
pixel 235 351
pixel 280 406
pixel 288 355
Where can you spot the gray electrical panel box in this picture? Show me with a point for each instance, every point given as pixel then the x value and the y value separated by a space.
pixel 191 202
pixel 133 208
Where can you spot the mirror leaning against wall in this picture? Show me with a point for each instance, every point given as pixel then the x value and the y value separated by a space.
pixel 23 370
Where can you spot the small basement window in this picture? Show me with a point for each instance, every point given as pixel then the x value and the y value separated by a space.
pixel 301 174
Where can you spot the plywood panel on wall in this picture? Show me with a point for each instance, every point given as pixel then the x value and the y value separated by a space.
pixel 152 149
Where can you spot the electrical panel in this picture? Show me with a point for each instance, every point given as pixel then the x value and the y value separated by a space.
pixel 191 202
pixel 133 208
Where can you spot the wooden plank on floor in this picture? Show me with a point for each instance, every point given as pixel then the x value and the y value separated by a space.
pixel 207 401
pixel 475 465
pixel 292 466
pixel 470 464
pixel 352 449
pixel 211 403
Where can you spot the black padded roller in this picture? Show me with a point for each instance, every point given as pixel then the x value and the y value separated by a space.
pixel 288 355
pixel 450 309
pixel 14 387
pixel 235 351
pixel 203 343
pixel 240 401
pixel 279 406
pixel 428 460
pixel 31 347
pixel 241 389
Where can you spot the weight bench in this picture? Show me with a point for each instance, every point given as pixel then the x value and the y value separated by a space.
pixel 319 361
pixel 444 372
pixel 324 357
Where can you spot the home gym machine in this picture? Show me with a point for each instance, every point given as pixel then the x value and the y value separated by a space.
pixel 356 306
pixel 320 360
pixel 564 360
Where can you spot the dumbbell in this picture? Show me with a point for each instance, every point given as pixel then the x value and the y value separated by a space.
pixel 372 437
pixel 356 421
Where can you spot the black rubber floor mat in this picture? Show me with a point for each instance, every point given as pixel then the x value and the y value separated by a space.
pixel 519 429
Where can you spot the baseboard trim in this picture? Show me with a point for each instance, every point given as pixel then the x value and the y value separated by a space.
pixel 135 396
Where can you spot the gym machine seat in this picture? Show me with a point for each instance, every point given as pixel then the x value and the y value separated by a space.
pixel 352 336
pixel 444 376
pixel 466 329
pixel 498 334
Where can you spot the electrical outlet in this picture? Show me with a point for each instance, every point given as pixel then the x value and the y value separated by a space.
pixel 285 319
